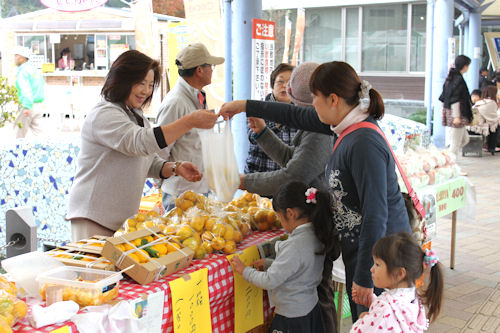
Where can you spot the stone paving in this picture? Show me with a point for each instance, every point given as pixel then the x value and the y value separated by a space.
pixel 472 289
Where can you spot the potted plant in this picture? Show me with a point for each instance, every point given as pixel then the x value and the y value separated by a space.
pixel 9 102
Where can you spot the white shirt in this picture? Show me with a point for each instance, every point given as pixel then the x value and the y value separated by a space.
pixel 179 102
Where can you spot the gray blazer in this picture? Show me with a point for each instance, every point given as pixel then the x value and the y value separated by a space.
pixel 304 161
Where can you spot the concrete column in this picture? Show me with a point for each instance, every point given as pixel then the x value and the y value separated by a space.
pixel 473 51
pixel 466 37
pixel 429 37
pixel 443 23
pixel 228 73
pixel 244 12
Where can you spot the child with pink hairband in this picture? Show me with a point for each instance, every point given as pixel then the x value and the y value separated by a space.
pixel 398 261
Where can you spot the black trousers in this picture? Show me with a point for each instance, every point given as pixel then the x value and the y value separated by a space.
pixel 491 140
pixel 310 323
pixel 350 258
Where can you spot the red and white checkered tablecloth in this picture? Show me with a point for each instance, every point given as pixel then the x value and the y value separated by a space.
pixel 220 287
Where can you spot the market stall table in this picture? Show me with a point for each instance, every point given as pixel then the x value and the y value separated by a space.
pixel 440 200
pixel 220 286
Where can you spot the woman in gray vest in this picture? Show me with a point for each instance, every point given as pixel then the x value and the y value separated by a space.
pixel 119 148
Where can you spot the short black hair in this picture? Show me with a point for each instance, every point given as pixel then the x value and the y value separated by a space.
pixel 476 92
pixel 185 72
pixel 483 69
pixel 280 69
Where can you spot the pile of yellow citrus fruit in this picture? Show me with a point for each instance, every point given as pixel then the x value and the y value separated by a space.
pixel 207 225
pixel 144 253
pixel 11 308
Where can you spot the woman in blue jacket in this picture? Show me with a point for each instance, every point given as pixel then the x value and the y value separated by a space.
pixel 360 174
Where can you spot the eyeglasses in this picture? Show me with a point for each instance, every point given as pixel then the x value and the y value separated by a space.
pixel 281 83
pixel 205 65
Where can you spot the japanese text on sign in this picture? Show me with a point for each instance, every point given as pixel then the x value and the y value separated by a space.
pixel 190 303
pixel 248 299
pixel 262 57
pixel 450 197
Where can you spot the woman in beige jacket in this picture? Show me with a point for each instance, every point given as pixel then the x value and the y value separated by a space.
pixel 486 118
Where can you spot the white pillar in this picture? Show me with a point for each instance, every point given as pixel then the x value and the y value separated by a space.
pixel 474 50
pixel 443 23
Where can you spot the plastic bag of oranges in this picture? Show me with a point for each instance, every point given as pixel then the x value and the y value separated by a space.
pixel 11 308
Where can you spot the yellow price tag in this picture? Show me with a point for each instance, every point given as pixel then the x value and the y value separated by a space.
pixel 248 299
pixel 64 329
pixel 191 303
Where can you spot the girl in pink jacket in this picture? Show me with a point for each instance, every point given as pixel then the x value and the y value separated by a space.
pixel 398 263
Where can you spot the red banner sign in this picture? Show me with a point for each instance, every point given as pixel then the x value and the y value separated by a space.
pixel 262 29
pixel 73 5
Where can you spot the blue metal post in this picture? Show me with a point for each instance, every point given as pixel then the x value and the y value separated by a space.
pixel 244 12
pixel 474 47
pixel 443 17
pixel 228 74
pixel 429 61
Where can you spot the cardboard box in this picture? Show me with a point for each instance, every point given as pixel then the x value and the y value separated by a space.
pixel 146 272
pixel 93 244
pixel 98 263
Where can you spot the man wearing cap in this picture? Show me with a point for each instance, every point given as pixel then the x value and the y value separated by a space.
pixel 195 67
pixel 29 84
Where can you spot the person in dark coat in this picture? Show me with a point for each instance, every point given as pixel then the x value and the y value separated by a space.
pixel 457 104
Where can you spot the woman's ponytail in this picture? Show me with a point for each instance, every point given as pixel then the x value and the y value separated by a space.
pixel 376 109
pixel 324 226
pixel 433 295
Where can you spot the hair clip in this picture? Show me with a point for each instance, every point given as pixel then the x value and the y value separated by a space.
pixel 311 195
pixel 430 258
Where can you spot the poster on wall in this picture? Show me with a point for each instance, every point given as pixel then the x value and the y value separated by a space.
pixel 203 18
pixel 299 34
pixel 493 43
pixel 177 40
pixel 262 57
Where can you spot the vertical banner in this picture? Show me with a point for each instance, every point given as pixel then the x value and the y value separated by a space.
pixel 191 303
pixel 248 299
pixel 452 44
pixel 262 57
pixel 288 37
pixel 177 40
pixel 299 34
pixel 146 32
pixel 203 17
pixel 493 45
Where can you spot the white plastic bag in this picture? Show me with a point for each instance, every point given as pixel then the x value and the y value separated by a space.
pixel 219 161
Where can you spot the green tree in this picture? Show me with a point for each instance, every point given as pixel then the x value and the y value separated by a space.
pixel 21 6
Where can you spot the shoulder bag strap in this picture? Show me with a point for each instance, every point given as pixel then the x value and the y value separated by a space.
pixel 365 124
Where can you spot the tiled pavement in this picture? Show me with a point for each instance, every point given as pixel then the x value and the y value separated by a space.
pixel 472 289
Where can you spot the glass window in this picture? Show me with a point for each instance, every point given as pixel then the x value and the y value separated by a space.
pixel 322 35
pixel 418 26
pixel 384 38
pixel 352 37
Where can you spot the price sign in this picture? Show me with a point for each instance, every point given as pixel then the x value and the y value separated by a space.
pixel 191 303
pixel 450 197
pixel 248 299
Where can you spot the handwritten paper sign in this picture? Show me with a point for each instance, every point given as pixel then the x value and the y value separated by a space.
pixel 190 303
pixel 450 196
pixel 248 299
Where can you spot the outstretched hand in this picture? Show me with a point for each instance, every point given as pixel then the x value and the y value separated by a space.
pixel 189 171
pixel 257 125
pixel 204 119
pixel 238 265
pixel 229 109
